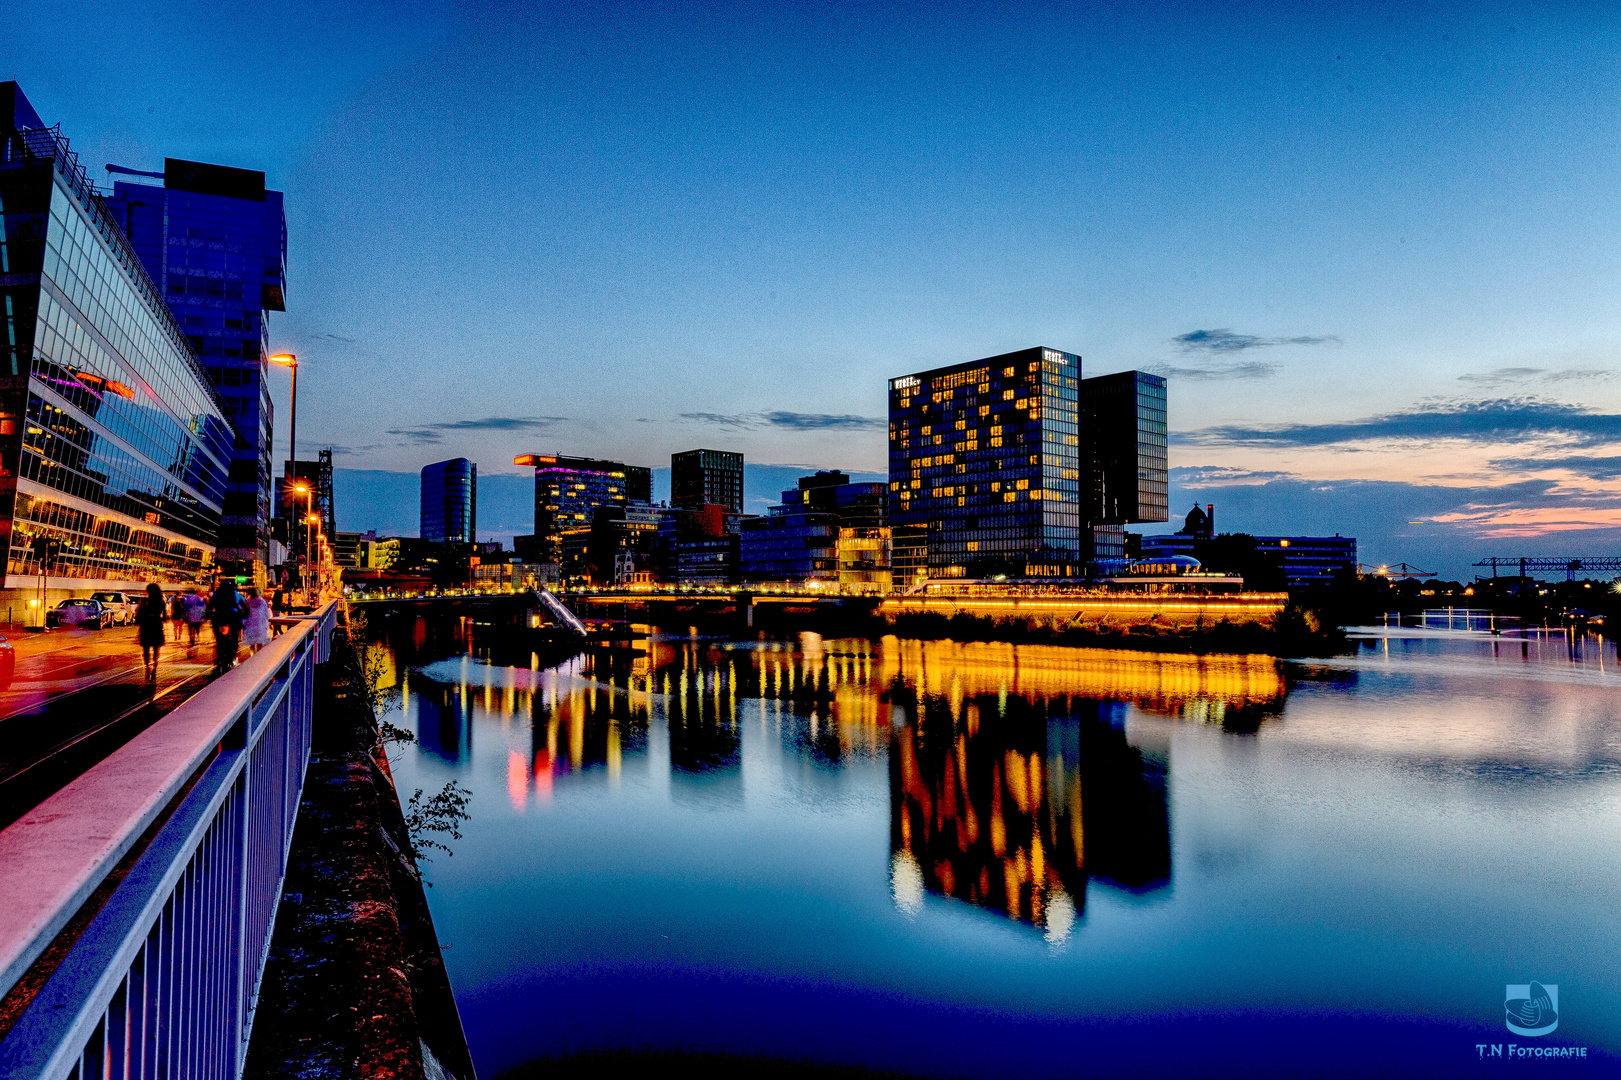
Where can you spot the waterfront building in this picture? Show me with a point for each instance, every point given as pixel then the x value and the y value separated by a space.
pixel 114 448
pixel 1306 560
pixel 449 502
pixel 706 477
pixel 214 241
pixel 995 468
pixel 799 540
pixel 568 491
pixel 865 559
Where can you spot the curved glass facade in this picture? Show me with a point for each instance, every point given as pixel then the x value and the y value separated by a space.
pixel 111 442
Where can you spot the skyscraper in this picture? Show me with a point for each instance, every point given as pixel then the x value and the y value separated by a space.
pixel 990 452
pixel 114 449
pixel 712 477
pixel 214 240
pixel 449 502
pixel 1016 465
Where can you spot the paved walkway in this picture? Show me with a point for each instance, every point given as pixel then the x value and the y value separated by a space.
pixel 79 694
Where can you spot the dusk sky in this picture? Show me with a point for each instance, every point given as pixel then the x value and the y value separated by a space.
pixel 1375 252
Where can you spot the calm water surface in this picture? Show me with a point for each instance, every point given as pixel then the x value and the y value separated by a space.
pixel 988 860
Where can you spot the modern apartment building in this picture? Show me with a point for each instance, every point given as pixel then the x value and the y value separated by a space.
pixel 449 502
pixel 706 477
pixel 114 448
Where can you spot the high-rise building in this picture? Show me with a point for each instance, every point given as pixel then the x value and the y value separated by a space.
pixel 114 449
pixel 707 477
pixel 990 450
pixel 1016 465
pixel 449 502
pixel 802 538
pixel 1124 426
pixel 568 491
pixel 214 240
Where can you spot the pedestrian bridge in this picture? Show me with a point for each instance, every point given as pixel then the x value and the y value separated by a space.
pixel 137 902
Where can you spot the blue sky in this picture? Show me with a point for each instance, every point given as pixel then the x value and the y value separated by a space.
pixel 1372 248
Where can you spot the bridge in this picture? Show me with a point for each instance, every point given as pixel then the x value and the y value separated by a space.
pixel 1528 565
pixel 137 902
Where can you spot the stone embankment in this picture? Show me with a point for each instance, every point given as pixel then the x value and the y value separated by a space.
pixel 355 985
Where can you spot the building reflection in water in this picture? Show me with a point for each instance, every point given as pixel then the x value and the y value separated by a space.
pixel 1012 780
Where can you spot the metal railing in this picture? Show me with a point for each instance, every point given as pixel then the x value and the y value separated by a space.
pixel 163 979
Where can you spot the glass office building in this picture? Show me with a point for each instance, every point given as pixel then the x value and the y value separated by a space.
pixel 449 502
pixel 568 491
pixel 214 240
pixel 114 449
pixel 1016 465
pixel 988 454
pixel 712 477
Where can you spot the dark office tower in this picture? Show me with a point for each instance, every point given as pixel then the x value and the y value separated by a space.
pixel 568 491
pixel 706 477
pixel 638 483
pixel 1124 428
pixel 987 455
pixel 113 447
pixel 215 242
pixel 449 502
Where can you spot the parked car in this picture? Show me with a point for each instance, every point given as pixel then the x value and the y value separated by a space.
pixel 83 614
pixel 8 664
pixel 122 606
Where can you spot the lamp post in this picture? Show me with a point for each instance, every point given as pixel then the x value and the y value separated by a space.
pixel 309 542
pixel 290 361
pixel 305 490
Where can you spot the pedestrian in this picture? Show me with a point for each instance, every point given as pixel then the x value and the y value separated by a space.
pixel 278 601
pixel 225 612
pixel 196 608
pixel 177 613
pixel 256 624
pixel 149 619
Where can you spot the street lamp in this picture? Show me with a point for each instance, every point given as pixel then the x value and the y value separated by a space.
pixel 304 489
pixel 291 361
pixel 309 526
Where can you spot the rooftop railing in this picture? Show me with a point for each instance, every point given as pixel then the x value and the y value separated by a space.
pixel 196 814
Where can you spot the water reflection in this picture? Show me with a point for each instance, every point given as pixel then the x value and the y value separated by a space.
pixel 1012 779
pixel 1012 805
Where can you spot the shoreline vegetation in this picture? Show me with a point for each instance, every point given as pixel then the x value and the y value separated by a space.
pixel 1296 631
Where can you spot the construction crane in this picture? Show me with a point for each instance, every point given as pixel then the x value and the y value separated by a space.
pixel 1550 564
pixel 1400 570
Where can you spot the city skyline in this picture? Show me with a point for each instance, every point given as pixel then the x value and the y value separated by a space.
pixel 1365 246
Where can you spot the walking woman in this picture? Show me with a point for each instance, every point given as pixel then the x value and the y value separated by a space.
pixel 256 625
pixel 150 615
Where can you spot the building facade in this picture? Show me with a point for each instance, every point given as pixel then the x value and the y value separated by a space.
pixel 990 450
pixel 568 491
pixel 706 477
pixel 1016 465
pixel 449 502
pixel 801 538
pixel 114 448
pixel 214 240
pixel 1306 560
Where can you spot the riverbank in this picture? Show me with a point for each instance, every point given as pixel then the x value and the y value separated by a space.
pixel 1293 632
pixel 355 984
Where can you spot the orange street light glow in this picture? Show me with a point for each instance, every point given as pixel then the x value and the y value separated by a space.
pixel 286 358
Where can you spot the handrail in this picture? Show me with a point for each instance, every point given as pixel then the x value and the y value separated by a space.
pixel 170 964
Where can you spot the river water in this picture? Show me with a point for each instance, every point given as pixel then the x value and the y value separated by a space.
pixel 995 860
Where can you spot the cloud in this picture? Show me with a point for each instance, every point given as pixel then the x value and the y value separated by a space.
pixel 792 421
pixel 1591 468
pixel 336 337
pixel 1505 376
pixel 1252 369
pixel 1228 341
pixel 1498 420
pixel 429 434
